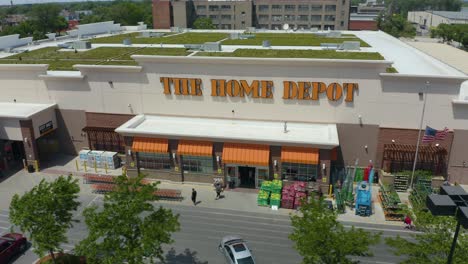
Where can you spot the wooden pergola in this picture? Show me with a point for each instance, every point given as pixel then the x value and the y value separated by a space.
pixel 400 157
pixel 104 138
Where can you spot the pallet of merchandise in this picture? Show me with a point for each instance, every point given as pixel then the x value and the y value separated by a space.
pixel 276 186
pixel 266 186
pixel 400 183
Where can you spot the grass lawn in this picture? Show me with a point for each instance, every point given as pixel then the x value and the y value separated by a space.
pixel 185 38
pixel 317 54
pixel 64 60
pixel 285 39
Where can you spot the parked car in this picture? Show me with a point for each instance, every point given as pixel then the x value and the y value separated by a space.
pixel 11 244
pixel 235 250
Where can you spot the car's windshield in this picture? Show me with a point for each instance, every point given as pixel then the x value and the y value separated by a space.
pixel 247 260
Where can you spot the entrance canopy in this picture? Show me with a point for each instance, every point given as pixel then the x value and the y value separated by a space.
pixel 246 154
pixel 324 136
pixel 152 145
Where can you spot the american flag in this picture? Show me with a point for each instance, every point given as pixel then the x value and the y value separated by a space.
pixel 431 134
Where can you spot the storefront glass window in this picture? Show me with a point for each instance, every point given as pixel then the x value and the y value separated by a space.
pixel 299 171
pixel 262 175
pixel 154 161
pixel 197 164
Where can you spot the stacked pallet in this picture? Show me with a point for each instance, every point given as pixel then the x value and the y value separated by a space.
pixel 391 204
pixel 400 183
pixel 293 195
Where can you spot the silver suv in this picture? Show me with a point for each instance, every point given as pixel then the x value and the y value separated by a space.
pixel 235 250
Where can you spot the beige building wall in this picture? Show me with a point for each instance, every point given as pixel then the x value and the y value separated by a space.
pixel 180 14
pixel 10 129
pixel 427 19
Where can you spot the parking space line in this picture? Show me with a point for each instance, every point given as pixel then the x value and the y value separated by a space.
pixel 4 215
pixel 1 221
pixel 5 228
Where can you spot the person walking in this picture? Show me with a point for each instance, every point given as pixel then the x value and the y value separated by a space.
pixel 194 196
pixel 408 222
pixel 218 189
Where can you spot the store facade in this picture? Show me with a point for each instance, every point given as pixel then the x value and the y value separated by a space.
pixel 244 120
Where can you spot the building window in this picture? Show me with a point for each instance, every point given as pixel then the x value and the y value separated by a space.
pixel 330 8
pixel 319 27
pixel 289 17
pixel 226 17
pixel 197 164
pixel 303 8
pixel 263 8
pixel 263 17
pixel 263 26
pixel 154 161
pixel 213 17
pixel 276 18
pixel 342 23
pixel 226 26
pixel 213 8
pixel 303 18
pixel 201 8
pixel 302 26
pixel 290 8
pixel 329 18
pixel 329 27
pixel 276 26
pixel 299 171
pixel 225 7
pixel 316 8
pixel 276 8
pixel 315 18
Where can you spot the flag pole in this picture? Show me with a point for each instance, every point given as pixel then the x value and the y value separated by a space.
pixel 419 134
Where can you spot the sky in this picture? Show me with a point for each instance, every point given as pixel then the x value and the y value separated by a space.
pixel 20 2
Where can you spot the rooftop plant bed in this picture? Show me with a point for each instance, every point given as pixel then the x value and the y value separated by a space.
pixel 290 39
pixel 317 54
pixel 135 38
pixel 64 60
pixel 185 38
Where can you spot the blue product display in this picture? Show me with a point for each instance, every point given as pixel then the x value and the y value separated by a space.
pixel 364 197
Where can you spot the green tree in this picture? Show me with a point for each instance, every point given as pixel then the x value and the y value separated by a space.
pixel 402 7
pixel 395 25
pixel 46 17
pixel 320 238
pixel 433 245
pixel 203 23
pixel 129 227
pixel 45 213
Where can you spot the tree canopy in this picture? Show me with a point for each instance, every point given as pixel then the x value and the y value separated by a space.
pixel 320 238
pixel 395 25
pixel 203 23
pixel 128 227
pixel 46 213
pixel 402 7
pixel 448 33
pixel 432 246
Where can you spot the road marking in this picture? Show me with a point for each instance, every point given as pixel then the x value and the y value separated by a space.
pixel 269 230
pixel 4 215
pixel 239 221
pixel 5 228
pixel 1 221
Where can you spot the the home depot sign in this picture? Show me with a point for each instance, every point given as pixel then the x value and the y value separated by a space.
pixel 260 88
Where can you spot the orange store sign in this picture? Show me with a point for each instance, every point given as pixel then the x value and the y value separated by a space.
pixel 260 89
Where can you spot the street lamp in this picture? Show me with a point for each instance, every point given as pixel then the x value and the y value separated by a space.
pixel 452 201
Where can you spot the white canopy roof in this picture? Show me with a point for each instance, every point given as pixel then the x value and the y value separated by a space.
pixel 234 130
pixel 22 110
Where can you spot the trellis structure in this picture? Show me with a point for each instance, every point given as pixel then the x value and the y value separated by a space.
pixel 400 157
pixel 103 138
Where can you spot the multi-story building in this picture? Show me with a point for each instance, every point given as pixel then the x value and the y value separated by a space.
pixel 267 14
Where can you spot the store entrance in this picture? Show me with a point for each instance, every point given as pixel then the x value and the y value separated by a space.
pixel 247 176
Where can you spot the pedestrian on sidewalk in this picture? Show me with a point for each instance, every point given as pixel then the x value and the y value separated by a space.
pixel 408 222
pixel 218 189
pixel 194 196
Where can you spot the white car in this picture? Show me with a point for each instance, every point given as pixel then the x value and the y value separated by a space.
pixel 235 250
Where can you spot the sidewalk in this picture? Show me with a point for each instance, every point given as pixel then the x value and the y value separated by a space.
pixel 236 199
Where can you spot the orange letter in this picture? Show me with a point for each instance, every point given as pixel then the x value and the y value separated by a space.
pixel 195 87
pixel 166 84
pixel 334 91
pixel 290 90
pixel 218 87
pixel 249 89
pixel 318 88
pixel 233 88
pixel 304 92
pixel 176 82
pixel 350 88
pixel 266 89
pixel 185 88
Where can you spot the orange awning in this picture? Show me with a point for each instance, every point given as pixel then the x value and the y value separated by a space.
pixel 155 145
pixel 300 155
pixel 246 154
pixel 195 148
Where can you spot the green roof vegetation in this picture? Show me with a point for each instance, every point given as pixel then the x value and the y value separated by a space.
pixel 64 60
pixel 317 54
pixel 290 39
pixel 169 38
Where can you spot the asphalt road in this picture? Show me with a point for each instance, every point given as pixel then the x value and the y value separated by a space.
pixel 202 228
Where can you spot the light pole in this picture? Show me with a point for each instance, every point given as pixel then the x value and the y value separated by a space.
pixel 424 94
pixel 452 201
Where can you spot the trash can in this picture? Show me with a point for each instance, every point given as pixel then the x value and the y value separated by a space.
pixel 232 184
pixel 30 168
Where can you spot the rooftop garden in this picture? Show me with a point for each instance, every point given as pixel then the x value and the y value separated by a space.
pixel 316 54
pixel 64 60
pixel 169 38
pixel 289 39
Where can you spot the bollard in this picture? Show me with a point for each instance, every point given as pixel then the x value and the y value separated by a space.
pixel 95 166
pixel 330 190
pixel 36 165
pixel 25 165
pixel 85 168
pixel 77 168
pixel 105 167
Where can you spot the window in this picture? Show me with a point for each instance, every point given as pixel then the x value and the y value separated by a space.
pixel 154 161
pixel 263 26
pixel 276 26
pixel 226 26
pixel 317 8
pixel 289 17
pixel 315 18
pixel 276 18
pixel 342 23
pixel 276 7
pixel 214 17
pixel 330 8
pixel 302 26
pixel 197 164
pixel 263 8
pixel 329 18
pixel 319 27
pixel 303 8
pixel 225 7
pixel 226 17
pixel 303 18
pixel 299 171
pixel 262 175
pixel 290 8
pixel 330 27
pixel 263 17
pixel 201 8
pixel 214 8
